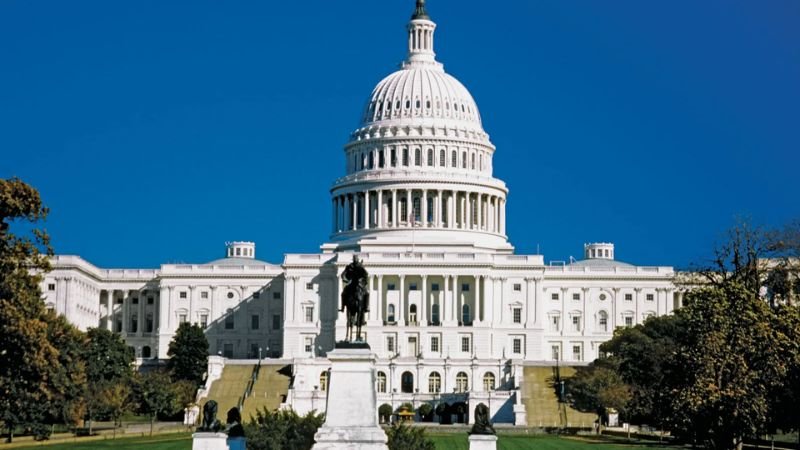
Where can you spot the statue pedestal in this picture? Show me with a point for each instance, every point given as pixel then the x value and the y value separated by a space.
pixel 351 419
pixel 209 441
pixel 482 442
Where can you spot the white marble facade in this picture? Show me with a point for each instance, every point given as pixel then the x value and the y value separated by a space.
pixel 454 311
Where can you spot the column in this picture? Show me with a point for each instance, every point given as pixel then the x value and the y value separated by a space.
pixel 479 205
pixel 381 316
pixel 502 216
pixel 439 210
pixel 379 223
pixel 451 208
pixel 469 211
pixel 583 310
pixel 333 212
pixel 395 210
pixel 463 203
pixel 489 301
pixel 110 311
pixel 424 207
pixel 409 209
pixel 354 211
pixel 401 319
pixel 481 309
pixel 347 215
pixel 455 306
pixel 423 311
pixel 124 312
pixel 140 320
pixel 367 215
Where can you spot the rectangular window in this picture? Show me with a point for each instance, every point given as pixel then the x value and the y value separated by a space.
pixel 390 344
pixel 309 286
pixel 412 287
pixel 435 287
pixel 309 314
pixel 254 322
pixel 517 287
pixel 554 296
pixel 227 350
pixel 413 347
pixel 517 315
pixel 181 318
pixel 555 352
pixel 576 353
pixel 435 344
pixel 390 287
pixel 576 323
pixel 649 297
pixel 276 295
pixel 148 324
pixel 555 323
pixel 182 294
pixel 628 321
pixel 308 345
pixel 517 346
pixel 119 300
pixel 465 287
pixel 204 294
pixel 204 321
pixel 119 325
pixel 135 300
pixel 276 321
pixel 150 300
pixel 257 295
pixel 229 324
pixel 603 323
pixel 628 297
pixel 51 287
pixel 465 347
pixel 576 296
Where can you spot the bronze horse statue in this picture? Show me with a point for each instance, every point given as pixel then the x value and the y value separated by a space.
pixel 355 298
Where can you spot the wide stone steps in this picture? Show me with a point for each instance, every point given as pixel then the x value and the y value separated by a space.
pixel 229 388
pixel 541 402
pixel 269 390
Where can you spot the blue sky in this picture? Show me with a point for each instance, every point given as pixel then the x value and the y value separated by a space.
pixel 158 130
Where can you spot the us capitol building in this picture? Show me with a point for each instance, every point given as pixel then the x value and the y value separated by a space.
pixel 452 308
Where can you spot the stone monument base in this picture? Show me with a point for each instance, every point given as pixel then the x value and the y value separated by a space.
pixel 203 440
pixel 482 442
pixel 351 419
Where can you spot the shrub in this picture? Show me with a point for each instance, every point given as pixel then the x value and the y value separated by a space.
pixel 385 412
pixel 403 437
pixel 282 430
pixel 426 412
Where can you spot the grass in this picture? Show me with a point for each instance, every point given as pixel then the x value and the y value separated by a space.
pixel 442 441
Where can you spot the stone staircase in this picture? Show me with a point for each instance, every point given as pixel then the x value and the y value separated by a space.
pixel 270 388
pixel 228 390
pixel 541 402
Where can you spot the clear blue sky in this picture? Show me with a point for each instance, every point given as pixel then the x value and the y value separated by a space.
pixel 157 130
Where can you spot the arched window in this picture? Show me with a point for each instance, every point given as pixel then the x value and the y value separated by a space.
pixel 146 353
pixel 463 160
pixel 434 383
pixel 442 158
pixel 407 383
pixel 323 381
pixel 381 382
pixel 403 210
pixel 602 321
pixel 435 314
pixel 390 314
pixel 462 382
pixel 454 160
pixel 405 157
pixel 417 157
pixel 480 162
pixel 417 214
pixel 430 157
pixel 412 313
pixel 488 381
pixel 371 160
pixel 473 161
pixel 465 318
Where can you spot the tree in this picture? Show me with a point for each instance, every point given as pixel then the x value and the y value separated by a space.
pixel 385 412
pixel 188 354
pixel 68 378
pixel 155 395
pixel 283 430
pixel 23 329
pixel 425 412
pixel 598 387
pixel 403 437
pixel 108 362
pixel 116 398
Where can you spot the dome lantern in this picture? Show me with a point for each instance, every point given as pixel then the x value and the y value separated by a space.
pixel 420 37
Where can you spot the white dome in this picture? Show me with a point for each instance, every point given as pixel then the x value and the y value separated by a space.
pixel 421 91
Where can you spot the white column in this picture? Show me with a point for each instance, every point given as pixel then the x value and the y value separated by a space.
pixel 424 208
pixel 110 312
pixel 354 211
pixel 367 215
pixel 395 208
pixel 379 223
pixel 409 208
pixel 140 313
pixel 423 313
pixel 469 211
pixel 451 210
pixel 439 209
pixel 124 312
pixel 503 216
pixel 379 303
pixel 401 320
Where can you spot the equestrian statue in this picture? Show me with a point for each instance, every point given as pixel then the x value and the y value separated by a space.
pixel 355 298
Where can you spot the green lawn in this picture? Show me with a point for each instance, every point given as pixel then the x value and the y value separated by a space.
pixel 444 441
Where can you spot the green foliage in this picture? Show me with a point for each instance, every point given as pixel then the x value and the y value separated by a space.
pixel 283 430
pixel 598 387
pixel 188 354
pixel 385 412
pixel 109 362
pixel 154 394
pixel 403 437
pixel 426 412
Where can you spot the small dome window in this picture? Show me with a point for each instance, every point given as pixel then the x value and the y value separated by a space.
pixel 462 108
pixel 447 106
pixel 408 104
pixel 397 105
pixel 418 105
pixel 428 104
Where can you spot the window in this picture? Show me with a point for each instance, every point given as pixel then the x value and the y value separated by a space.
pixel 435 287
pixel 465 318
pixel 413 346
pixel 576 296
pixel 517 287
pixel 488 381
pixel 517 313
pixel 555 352
pixel 417 214
pixel 463 160
pixel 602 297
pixel 412 313
pixel 649 297
pixel 150 300
pixel 146 352
pixel 308 344
pixel 204 321
pixel 390 314
pixel 230 294
pixel 628 297
pixel 257 295
pixel 628 321
pixel 181 318
pixel 430 157
pixel 182 294
pixel 394 158
pixel 465 287
pixel 516 346
pixel 118 325
pixel 407 382
pixel 434 344
pixel 412 287
pixel 381 384
pixel 381 159
pixel 323 381
pixel 462 382
pixel 229 320
pixel 276 295
pixel 417 158
pixel 390 344
pixel 254 322
pixel 434 383
pixel 276 321
pixel 405 157
pixel 576 353
pixel 51 287
pixel 472 166
pixel 204 294
pixel 442 158
pixel 309 286
pixel 148 324
pixel 390 287
pixel 134 323
pixel 602 321
pixel 465 347
pixel 435 314
pixel 576 323
pixel 554 296
pixel 135 300
pixel 555 322
pixel 227 350
pixel 119 300
pixel 454 161
pixel 309 314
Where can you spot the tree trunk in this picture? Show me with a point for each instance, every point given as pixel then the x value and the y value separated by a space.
pixel 151 424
